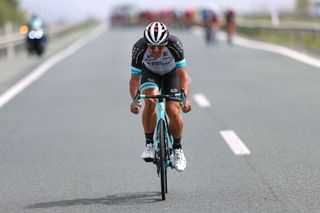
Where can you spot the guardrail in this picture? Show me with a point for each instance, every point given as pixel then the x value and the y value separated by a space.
pixel 12 43
pixel 283 27
pixel 304 36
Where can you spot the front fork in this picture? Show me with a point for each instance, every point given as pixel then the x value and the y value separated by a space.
pixel 168 145
pixel 169 142
pixel 168 137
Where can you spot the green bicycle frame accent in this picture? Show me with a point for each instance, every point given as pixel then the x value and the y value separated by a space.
pixel 163 152
pixel 161 115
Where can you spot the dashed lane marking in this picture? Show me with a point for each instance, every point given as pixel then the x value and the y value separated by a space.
pixel 234 142
pixel 201 100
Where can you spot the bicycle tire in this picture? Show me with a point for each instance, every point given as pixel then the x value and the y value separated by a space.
pixel 168 151
pixel 163 159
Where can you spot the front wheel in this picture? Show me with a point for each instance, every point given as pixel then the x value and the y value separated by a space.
pixel 163 159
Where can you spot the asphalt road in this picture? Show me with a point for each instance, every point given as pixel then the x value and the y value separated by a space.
pixel 14 69
pixel 68 143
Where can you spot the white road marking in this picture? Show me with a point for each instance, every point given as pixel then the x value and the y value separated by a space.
pixel 278 49
pixel 43 68
pixel 201 100
pixel 234 142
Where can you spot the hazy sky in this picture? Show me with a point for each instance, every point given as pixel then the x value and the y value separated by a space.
pixel 78 9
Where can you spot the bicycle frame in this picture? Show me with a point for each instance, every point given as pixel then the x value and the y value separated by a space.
pixel 161 115
pixel 163 150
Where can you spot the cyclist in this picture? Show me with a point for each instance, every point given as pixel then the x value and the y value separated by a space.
pixel 158 63
pixel 230 24
pixel 210 24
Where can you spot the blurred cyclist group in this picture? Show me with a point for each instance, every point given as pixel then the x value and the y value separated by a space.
pixel 207 18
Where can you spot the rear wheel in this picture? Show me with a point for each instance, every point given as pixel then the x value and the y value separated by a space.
pixel 163 160
pixel 39 47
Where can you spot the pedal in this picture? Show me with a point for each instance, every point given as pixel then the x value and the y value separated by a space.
pixel 148 160
pixel 171 165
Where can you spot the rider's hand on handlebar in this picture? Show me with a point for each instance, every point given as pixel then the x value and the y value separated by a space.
pixel 187 107
pixel 135 110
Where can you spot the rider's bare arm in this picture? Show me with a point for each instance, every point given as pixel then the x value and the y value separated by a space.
pixel 184 80
pixel 134 85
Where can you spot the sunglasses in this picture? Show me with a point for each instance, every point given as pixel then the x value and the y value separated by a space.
pixel 159 46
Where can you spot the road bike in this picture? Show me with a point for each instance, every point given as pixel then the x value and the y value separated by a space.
pixel 163 140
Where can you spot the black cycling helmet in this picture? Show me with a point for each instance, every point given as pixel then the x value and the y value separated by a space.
pixel 156 33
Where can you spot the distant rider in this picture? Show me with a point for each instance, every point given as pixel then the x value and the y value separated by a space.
pixel 230 24
pixel 36 27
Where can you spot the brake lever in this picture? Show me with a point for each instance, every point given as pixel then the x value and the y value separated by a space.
pixel 136 99
pixel 183 96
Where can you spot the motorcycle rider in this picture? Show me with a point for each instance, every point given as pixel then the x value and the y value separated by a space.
pixel 36 31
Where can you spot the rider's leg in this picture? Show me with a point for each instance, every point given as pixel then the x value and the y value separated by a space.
pixel 176 127
pixel 149 122
pixel 149 116
pixel 171 84
pixel 149 86
pixel 176 120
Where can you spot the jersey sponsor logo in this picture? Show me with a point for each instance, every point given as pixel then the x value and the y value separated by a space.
pixel 161 65
pixel 151 80
pixel 173 90
pixel 178 46
pixel 135 51
pixel 158 63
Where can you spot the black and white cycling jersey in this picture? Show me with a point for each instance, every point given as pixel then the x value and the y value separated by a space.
pixel 172 57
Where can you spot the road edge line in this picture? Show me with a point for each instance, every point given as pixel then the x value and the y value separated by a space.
pixel 13 91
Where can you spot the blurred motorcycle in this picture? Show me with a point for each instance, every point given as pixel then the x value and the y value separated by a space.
pixel 36 41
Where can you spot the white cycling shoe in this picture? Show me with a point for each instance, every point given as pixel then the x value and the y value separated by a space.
pixel 148 153
pixel 180 162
